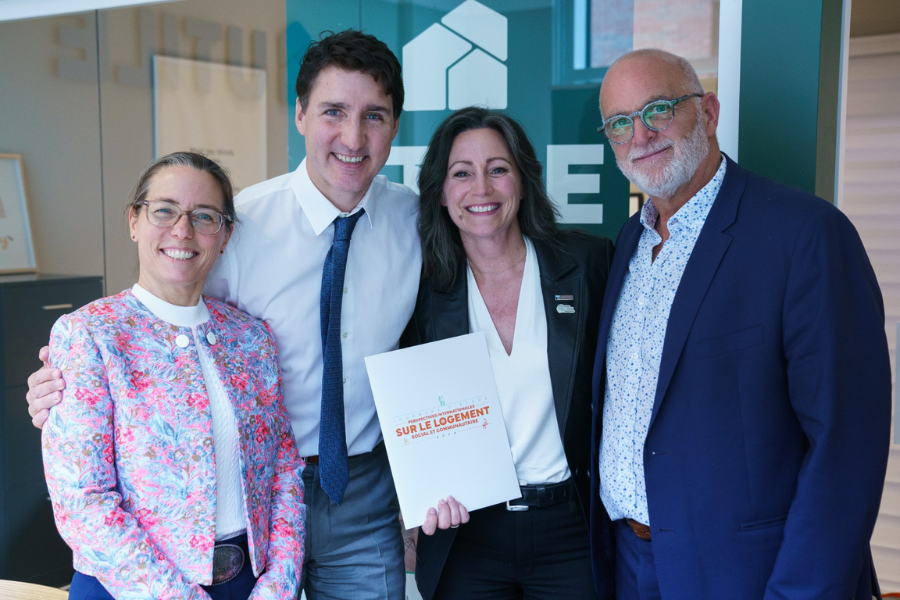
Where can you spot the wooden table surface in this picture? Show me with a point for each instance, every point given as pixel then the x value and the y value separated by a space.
pixel 14 590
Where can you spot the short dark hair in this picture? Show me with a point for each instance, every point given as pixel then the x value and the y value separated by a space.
pixel 442 249
pixel 186 159
pixel 351 50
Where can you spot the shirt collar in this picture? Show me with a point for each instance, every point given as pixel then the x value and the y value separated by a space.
pixel 180 316
pixel 319 211
pixel 692 215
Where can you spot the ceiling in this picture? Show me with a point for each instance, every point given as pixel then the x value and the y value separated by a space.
pixel 11 10
pixel 867 17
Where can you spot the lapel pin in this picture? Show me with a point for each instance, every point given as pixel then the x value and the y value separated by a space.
pixel 560 297
pixel 565 309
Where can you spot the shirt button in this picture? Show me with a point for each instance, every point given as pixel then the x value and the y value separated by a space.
pixel 182 341
pixel 344 334
pixel 636 357
pixel 642 301
pixel 346 290
pixel 344 380
pixel 211 338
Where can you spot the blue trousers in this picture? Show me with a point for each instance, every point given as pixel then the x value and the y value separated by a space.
pixel 354 550
pixel 85 587
pixel 635 567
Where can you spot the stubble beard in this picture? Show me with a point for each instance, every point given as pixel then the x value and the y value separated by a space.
pixel 665 181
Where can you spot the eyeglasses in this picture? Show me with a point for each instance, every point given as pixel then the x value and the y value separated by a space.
pixel 165 214
pixel 656 116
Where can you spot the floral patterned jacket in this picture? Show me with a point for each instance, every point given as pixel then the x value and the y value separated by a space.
pixel 129 457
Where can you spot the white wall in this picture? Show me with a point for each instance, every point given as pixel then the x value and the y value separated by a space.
pixel 54 125
pixel 869 199
pixel 84 141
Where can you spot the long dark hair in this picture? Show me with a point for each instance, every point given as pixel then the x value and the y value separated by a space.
pixel 442 249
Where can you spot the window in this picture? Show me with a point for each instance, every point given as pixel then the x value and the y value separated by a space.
pixel 589 35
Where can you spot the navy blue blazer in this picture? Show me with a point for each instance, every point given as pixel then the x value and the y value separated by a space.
pixel 768 440
pixel 577 268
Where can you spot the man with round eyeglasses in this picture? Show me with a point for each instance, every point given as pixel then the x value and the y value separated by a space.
pixel 742 378
pixel 656 116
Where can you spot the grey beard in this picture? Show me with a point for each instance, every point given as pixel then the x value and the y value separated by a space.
pixel 689 153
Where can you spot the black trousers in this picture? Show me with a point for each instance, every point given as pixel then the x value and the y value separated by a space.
pixel 541 553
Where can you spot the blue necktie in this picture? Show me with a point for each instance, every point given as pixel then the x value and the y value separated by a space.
pixel 333 467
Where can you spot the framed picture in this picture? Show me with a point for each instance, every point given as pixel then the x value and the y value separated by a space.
pixel 214 109
pixel 16 243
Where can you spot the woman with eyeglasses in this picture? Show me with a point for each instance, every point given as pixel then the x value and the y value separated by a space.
pixel 495 261
pixel 170 461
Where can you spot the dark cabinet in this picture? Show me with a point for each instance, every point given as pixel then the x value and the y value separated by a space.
pixel 30 547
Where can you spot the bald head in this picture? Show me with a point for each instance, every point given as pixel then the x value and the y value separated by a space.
pixel 675 69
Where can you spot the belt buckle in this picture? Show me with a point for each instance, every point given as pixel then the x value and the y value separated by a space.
pixel 516 507
pixel 228 560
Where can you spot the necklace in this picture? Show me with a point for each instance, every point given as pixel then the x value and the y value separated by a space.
pixel 482 272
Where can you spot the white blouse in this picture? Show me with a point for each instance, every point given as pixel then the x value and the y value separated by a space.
pixel 523 379
pixel 229 495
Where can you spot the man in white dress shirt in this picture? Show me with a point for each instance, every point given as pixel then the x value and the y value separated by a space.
pixel 350 95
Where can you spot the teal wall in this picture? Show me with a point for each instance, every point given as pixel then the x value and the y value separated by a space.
pixel 790 59
pixel 790 65
pixel 550 114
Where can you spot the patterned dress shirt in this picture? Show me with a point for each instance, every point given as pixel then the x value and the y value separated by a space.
pixel 634 349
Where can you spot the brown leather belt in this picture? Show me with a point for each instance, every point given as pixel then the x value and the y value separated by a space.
pixel 639 529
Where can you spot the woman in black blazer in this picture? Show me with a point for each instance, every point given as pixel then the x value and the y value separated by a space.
pixel 495 261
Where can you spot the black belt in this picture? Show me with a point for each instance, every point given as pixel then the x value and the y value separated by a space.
pixel 314 459
pixel 540 496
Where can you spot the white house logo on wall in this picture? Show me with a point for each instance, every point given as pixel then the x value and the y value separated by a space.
pixel 462 61
pixel 457 62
